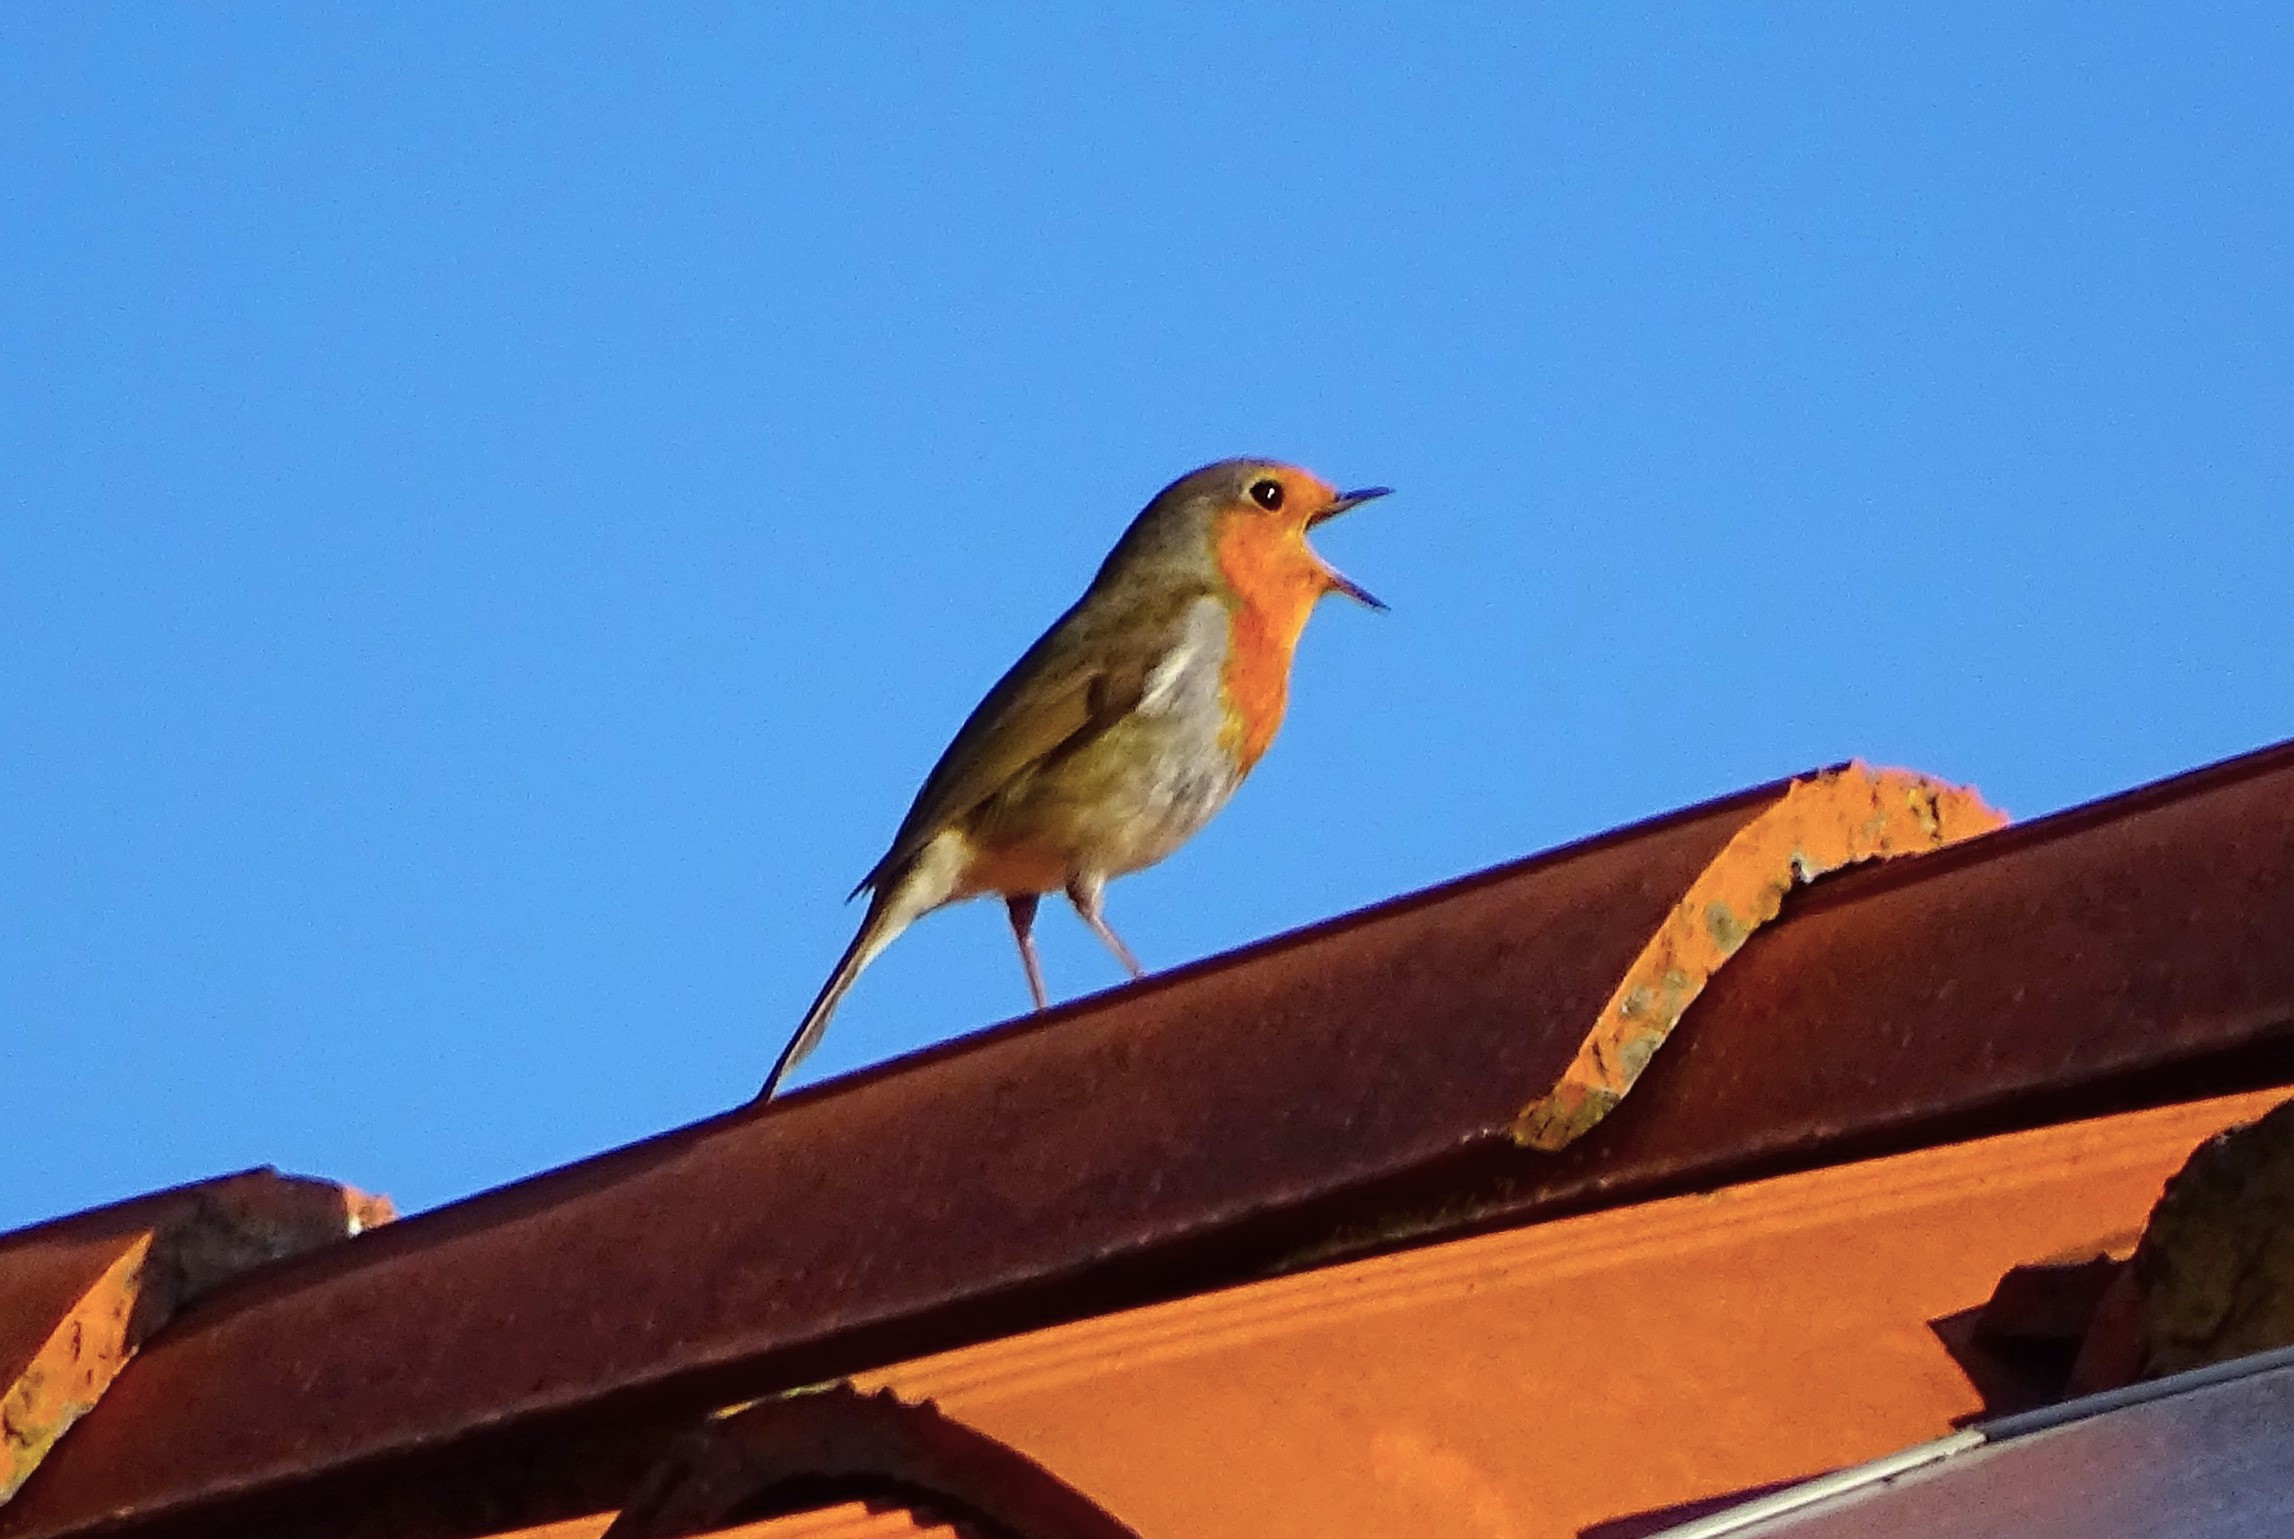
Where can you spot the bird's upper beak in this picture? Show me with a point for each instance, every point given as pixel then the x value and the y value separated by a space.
pixel 1339 581
pixel 1345 501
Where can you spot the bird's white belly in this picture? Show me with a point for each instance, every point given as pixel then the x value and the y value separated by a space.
pixel 1165 805
pixel 1168 771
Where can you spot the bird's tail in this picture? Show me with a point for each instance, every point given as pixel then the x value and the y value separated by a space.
pixel 887 917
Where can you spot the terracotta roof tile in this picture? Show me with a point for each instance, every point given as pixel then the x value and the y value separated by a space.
pixel 1543 1380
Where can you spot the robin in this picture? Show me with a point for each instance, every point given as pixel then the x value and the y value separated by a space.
pixel 1123 729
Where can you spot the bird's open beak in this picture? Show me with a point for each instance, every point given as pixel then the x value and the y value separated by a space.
pixel 1339 581
pixel 1348 500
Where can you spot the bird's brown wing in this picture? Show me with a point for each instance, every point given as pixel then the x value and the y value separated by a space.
pixel 1078 680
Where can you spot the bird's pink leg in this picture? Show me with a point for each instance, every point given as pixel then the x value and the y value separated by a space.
pixel 1084 892
pixel 1021 908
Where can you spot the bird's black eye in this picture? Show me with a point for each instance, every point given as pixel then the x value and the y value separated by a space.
pixel 1267 494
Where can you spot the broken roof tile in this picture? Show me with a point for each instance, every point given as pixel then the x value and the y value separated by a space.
pixel 1820 824
pixel 79 1296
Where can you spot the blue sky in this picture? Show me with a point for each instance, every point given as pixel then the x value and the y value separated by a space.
pixel 499 507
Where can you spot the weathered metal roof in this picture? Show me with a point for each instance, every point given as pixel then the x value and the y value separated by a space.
pixel 2199 1457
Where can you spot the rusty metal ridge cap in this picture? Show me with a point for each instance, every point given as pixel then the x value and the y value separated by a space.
pixel 523 1194
pixel 1178 975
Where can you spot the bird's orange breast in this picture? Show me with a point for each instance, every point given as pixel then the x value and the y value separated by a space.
pixel 1272 582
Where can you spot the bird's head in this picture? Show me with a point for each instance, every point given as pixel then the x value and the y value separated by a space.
pixel 1265 519
pixel 1252 517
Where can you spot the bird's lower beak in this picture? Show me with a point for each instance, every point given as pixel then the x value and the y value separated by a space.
pixel 1341 583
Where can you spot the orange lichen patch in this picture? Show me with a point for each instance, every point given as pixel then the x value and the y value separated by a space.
pixel 79 1297
pixel 1511 1384
pixel 96 1283
pixel 1821 824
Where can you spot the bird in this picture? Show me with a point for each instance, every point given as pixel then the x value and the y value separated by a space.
pixel 1126 726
